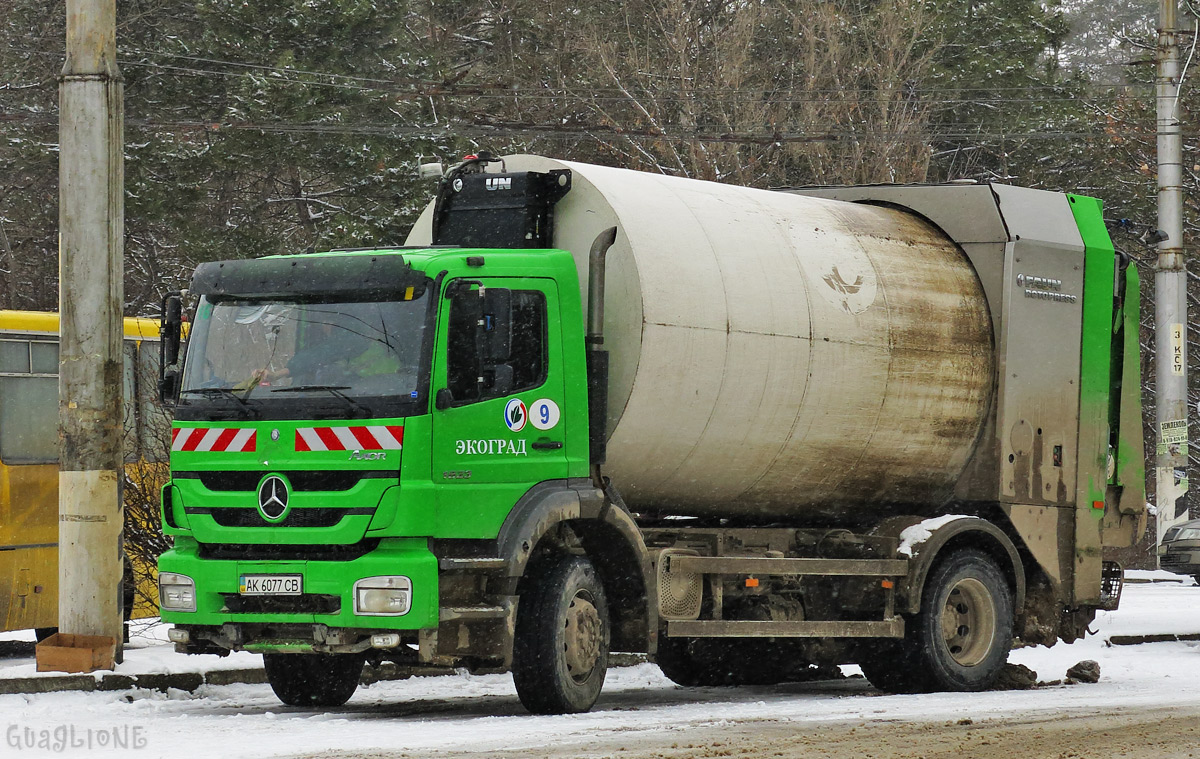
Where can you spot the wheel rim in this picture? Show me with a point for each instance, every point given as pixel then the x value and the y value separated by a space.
pixel 969 622
pixel 582 637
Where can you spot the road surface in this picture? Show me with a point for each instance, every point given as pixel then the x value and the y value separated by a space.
pixel 1147 704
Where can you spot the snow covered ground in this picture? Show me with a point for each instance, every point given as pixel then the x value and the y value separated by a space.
pixel 443 716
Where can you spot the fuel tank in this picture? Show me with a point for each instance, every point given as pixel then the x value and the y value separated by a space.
pixel 775 355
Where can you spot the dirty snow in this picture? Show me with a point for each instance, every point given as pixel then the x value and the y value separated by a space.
pixel 914 536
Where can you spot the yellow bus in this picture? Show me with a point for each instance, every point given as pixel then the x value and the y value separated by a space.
pixel 29 465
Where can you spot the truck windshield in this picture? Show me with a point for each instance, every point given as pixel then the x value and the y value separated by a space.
pixel 253 357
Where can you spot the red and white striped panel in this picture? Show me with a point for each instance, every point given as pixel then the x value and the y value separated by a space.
pixel 223 439
pixel 364 438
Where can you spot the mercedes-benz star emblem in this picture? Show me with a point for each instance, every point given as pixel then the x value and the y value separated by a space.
pixel 272 497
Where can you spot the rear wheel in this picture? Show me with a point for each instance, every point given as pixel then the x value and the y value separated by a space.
pixel 960 639
pixel 560 648
pixel 313 679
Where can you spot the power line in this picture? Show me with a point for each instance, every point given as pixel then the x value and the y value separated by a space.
pixel 426 88
pixel 796 134
pixel 674 97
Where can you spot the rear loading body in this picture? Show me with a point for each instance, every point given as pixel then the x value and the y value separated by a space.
pixel 773 355
pixel 891 425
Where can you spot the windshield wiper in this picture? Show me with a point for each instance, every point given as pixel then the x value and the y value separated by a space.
pixel 228 392
pixel 334 390
pixel 224 392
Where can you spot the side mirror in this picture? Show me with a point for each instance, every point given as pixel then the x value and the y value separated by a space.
pixel 170 333
pixel 168 387
pixel 171 329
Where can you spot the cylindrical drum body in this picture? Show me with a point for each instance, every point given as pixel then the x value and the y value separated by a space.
pixel 775 355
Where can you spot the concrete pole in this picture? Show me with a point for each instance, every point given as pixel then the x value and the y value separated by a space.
pixel 1170 285
pixel 91 227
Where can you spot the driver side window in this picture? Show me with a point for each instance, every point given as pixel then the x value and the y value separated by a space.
pixel 471 378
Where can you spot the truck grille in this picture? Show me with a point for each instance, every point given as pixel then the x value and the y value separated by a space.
pixel 311 517
pixel 272 552
pixel 307 603
pixel 304 481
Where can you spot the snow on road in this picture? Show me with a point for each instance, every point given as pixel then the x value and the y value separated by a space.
pixel 442 716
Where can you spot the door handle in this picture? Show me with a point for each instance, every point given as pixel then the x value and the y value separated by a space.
pixel 546 445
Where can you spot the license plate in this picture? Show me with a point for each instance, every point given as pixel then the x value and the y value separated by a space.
pixel 270 585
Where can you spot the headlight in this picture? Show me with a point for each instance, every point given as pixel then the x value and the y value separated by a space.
pixel 176 592
pixel 382 596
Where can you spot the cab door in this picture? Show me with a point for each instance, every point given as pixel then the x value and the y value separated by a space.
pixel 498 421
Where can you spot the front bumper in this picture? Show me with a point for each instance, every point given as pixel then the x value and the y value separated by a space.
pixel 1184 561
pixel 327 588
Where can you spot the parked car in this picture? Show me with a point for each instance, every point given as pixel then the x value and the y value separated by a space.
pixel 1180 550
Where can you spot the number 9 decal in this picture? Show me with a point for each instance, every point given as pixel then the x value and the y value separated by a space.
pixel 543 414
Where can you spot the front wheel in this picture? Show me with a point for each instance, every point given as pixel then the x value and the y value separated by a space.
pixel 560 648
pixel 313 679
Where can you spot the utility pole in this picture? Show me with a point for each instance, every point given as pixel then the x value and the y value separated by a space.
pixel 1170 286
pixel 90 389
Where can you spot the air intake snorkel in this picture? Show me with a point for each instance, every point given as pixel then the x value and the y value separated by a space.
pixel 597 356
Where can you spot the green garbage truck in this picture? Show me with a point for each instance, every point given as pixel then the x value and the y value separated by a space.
pixel 583 410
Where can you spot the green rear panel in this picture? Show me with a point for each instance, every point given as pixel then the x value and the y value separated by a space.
pixel 1130 472
pixel 1096 396
pixel 1095 350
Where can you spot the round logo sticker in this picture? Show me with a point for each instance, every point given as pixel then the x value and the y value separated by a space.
pixel 544 414
pixel 515 415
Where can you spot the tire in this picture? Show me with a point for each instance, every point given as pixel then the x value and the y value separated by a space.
pixel 313 679
pixel 960 639
pixel 560 647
